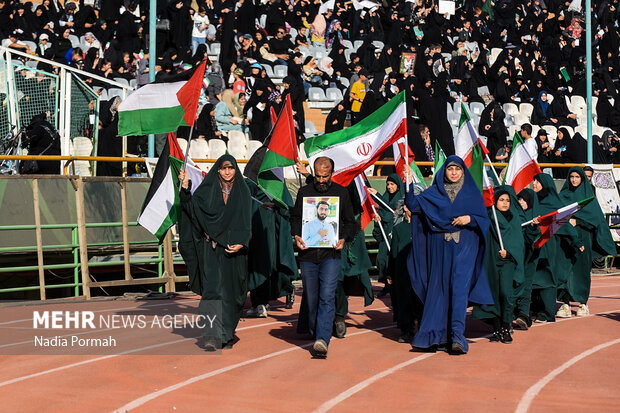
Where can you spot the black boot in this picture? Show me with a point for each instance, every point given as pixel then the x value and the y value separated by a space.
pixel 506 337
pixel 290 300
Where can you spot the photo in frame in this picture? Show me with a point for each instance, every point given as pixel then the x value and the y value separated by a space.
pixel 320 226
pixel 407 63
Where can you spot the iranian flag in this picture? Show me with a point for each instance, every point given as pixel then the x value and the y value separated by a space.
pixel 161 205
pixel 161 107
pixel 356 148
pixel 479 174
pixel 281 152
pixel 466 139
pixel 522 166
pixel 369 206
pixel 550 224
pixel 401 150
pixel 440 158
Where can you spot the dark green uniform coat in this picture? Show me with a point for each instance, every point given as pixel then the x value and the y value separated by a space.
pixel 504 275
pixel 593 231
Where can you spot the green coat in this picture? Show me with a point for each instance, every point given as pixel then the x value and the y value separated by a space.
pixel 387 220
pixel 594 232
pixel 504 275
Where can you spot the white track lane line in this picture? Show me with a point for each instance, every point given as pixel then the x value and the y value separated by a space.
pixel 533 391
pixel 362 385
pixel 81 363
pixel 148 397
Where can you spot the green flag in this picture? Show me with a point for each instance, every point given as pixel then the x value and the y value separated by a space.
pixel 440 158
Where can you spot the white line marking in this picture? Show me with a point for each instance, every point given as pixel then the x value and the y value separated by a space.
pixel 533 391
pixel 81 363
pixel 362 385
pixel 148 397
pixel 328 405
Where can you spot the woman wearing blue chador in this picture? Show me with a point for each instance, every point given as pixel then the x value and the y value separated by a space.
pixel 449 226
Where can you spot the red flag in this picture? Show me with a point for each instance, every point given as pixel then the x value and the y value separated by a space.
pixel 368 205
pixel 274 117
pixel 189 94
pixel 175 149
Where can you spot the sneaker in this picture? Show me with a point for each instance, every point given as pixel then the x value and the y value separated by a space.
pixel 405 337
pixel 251 312
pixel 496 337
pixel 457 348
pixel 290 300
pixel 261 311
pixel 583 310
pixel 340 328
pixel 320 348
pixel 521 323
pixel 564 312
pixel 540 319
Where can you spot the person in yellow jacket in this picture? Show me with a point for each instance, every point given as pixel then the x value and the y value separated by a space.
pixel 357 94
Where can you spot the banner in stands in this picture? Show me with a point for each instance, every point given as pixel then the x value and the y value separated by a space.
pixel 604 180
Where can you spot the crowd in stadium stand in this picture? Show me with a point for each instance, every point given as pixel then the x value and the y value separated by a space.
pixel 511 62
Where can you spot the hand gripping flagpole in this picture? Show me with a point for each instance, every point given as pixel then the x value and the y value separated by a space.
pixel 387 243
pixel 383 204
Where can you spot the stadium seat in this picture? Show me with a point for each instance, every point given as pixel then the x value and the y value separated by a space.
pixel 347 44
pixel 550 97
pixel 511 109
pixel 75 41
pixel 333 94
pixel 280 71
pixel 345 82
pixel 32 45
pixel 237 151
pixel 454 118
pixel 552 131
pixel 217 148
pixel 237 138
pixel 104 95
pixel 122 81
pixel 113 92
pixel 214 50
pixel 378 44
pixel 347 54
pixel 318 100
pixel 182 144
pixel 199 149
pixel 133 83
pixel 310 129
pixel 253 146
pixel 494 53
pixel 293 33
pixel 32 63
pixel 357 44
pixel 526 109
pixel 476 108
pixel 535 129
pixel 262 20
pixel 578 101
pixel 318 52
pixel 520 119
pixel 583 130
pixel 268 70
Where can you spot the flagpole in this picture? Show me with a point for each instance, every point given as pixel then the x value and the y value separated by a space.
pixel 189 141
pixel 492 168
pixel 499 234
pixel 387 243
pixel 386 206
pixel 407 164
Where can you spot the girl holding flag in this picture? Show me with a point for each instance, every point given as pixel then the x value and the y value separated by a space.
pixel 593 231
pixel 504 266
pixel 554 256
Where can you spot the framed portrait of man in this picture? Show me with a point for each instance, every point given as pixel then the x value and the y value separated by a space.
pixel 320 224
pixel 407 63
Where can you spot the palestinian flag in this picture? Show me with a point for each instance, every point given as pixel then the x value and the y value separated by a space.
pixel 161 205
pixel 161 107
pixel 356 148
pixel 479 174
pixel 281 152
pixel 369 206
pixel 466 138
pixel 440 158
pixel 522 165
pixel 550 224
pixel 400 147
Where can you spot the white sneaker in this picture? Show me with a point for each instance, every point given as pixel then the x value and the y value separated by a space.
pixel 261 311
pixel 583 310
pixel 564 312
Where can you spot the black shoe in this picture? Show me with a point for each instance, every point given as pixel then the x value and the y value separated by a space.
pixel 457 348
pixel 340 328
pixel 496 337
pixel 431 349
pixel 210 344
pixel 229 344
pixel 405 337
pixel 290 300
pixel 521 323
pixel 505 336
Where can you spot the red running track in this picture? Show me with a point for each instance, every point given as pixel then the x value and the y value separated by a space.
pixel 568 366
